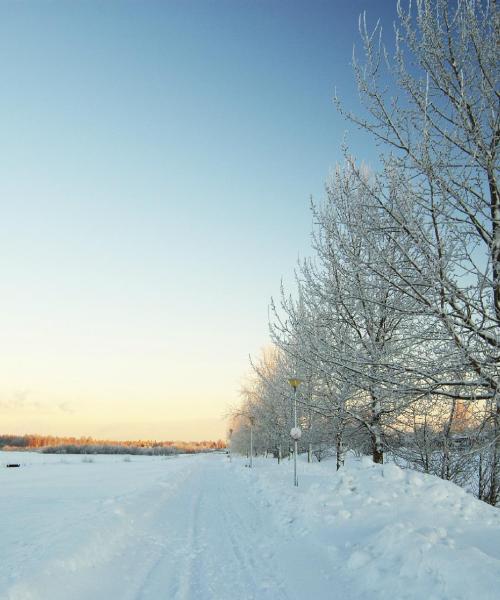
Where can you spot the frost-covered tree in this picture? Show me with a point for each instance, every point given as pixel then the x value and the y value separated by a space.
pixel 350 327
pixel 273 410
pixel 266 406
pixel 395 326
pixel 440 126
pixel 294 330
pixel 376 319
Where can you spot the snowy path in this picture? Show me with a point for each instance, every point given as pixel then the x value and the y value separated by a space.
pixel 212 545
pixel 201 528
pixel 191 530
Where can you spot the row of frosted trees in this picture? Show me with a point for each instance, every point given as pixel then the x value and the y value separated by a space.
pixel 394 323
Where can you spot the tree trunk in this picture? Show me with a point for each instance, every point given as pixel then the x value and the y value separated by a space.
pixel 376 432
pixel 445 466
pixel 494 492
pixel 377 452
pixel 340 449
pixel 480 485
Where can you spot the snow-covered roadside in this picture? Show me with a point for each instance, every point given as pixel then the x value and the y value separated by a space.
pixel 65 518
pixel 204 528
pixel 390 533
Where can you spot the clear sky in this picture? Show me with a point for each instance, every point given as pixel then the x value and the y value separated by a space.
pixel 156 163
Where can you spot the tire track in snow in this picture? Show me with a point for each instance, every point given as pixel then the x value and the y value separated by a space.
pixel 252 558
pixel 211 552
pixel 189 574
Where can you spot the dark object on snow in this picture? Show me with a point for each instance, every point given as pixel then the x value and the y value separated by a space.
pixel 13 465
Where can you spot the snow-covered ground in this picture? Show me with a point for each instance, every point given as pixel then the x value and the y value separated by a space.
pixel 200 527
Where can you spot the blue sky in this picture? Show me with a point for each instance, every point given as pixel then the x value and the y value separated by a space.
pixel 156 164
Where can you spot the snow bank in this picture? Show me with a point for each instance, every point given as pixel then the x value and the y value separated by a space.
pixel 388 532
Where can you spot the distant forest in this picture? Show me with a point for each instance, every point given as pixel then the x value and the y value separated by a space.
pixel 87 445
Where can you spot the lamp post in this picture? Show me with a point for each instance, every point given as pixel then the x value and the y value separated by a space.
pixel 252 420
pixel 295 432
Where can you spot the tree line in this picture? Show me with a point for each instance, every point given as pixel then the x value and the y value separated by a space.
pixel 394 323
pixel 87 445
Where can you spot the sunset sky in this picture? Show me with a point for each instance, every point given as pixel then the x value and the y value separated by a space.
pixel 156 164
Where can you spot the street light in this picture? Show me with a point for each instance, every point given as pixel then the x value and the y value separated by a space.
pixel 295 432
pixel 229 445
pixel 252 421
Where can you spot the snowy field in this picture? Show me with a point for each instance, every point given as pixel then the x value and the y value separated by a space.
pixel 200 527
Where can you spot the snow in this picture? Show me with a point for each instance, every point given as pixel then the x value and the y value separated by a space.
pixel 201 527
